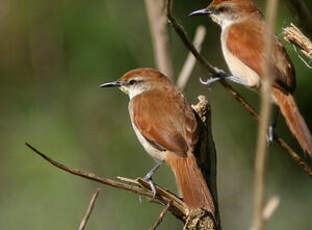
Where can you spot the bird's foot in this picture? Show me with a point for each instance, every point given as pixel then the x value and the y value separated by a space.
pixel 271 132
pixel 152 185
pixel 209 81
pixel 223 75
pixel 148 178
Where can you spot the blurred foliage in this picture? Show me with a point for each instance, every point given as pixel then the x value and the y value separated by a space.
pixel 53 56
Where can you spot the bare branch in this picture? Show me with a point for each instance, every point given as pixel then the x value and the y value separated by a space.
pixel 180 31
pixel 178 208
pixel 190 61
pixel 216 72
pixel 161 216
pixel 159 33
pixel 293 155
pixel 89 210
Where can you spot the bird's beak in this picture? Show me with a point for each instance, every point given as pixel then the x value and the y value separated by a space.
pixel 200 12
pixel 110 84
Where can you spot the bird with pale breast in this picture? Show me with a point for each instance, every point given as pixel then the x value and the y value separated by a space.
pixel 243 45
pixel 165 125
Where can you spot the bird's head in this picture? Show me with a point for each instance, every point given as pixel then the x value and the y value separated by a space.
pixel 226 12
pixel 138 81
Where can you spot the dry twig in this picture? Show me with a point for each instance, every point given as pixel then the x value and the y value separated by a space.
pixel 178 208
pixel 216 72
pixel 161 216
pixel 89 210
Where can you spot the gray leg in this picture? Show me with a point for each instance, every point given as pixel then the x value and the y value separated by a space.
pixel 148 178
pixel 235 79
pixel 273 125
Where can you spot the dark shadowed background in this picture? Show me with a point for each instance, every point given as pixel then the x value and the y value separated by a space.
pixel 53 56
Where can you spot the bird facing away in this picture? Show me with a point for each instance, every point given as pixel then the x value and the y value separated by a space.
pixel 166 127
pixel 243 46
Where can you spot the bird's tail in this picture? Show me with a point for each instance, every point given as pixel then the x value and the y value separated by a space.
pixel 191 182
pixel 294 120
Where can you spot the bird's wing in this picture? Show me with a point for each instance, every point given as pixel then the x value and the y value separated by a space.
pixel 246 41
pixel 168 126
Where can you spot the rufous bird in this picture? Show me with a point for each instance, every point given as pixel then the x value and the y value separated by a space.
pixel 243 45
pixel 166 127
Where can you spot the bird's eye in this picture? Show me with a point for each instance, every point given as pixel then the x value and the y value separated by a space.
pixel 222 9
pixel 131 82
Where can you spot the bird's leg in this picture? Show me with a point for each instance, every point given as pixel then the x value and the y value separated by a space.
pixel 210 81
pixel 273 125
pixel 222 75
pixel 148 178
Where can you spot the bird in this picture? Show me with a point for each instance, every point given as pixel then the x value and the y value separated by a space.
pixel 243 45
pixel 166 127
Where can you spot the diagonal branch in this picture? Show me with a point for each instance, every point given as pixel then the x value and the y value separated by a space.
pixel 161 216
pixel 89 210
pixel 177 208
pixel 216 72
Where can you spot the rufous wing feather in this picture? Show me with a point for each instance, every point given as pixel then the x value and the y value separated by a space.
pixel 172 131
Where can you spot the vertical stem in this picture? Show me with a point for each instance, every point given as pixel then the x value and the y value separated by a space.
pixel 261 151
pixel 156 12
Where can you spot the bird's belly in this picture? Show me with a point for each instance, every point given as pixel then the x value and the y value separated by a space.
pixel 239 69
pixel 156 154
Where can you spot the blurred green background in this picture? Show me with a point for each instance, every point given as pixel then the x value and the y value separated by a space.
pixel 53 56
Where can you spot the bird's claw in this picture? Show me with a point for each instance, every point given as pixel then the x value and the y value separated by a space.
pixel 152 185
pixel 153 188
pixel 220 75
pixel 148 178
pixel 209 81
pixel 271 134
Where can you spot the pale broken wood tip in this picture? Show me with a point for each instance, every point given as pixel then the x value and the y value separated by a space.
pixel 294 35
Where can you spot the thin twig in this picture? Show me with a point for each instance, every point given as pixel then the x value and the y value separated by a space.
pixel 180 31
pixel 89 210
pixel 215 72
pixel 293 155
pixel 161 216
pixel 302 58
pixel 159 33
pixel 265 113
pixel 190 61
pixel 178 207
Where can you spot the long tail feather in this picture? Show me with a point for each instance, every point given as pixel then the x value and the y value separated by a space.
pixel 294 119
pixel 191 182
